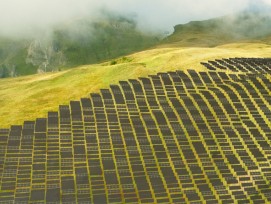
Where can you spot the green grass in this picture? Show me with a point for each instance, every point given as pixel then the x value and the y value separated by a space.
pixel 30 97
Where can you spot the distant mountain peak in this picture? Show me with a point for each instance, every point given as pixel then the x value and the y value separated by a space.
pixel 259 7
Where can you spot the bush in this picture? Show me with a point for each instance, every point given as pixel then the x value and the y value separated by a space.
pixel 113 62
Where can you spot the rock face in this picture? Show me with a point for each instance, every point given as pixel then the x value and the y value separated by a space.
pixel 7 70
pixel 45 56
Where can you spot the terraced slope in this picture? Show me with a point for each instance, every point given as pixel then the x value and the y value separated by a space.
pixel 176 137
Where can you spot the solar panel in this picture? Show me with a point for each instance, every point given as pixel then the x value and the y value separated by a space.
pixel 249 65
pixel 176 137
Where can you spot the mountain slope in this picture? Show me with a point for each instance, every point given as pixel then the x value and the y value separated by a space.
pixel 178 137
pixel 29 97
pixel 82 41
pixel 242 27
pixel 78 42
pixel 186 136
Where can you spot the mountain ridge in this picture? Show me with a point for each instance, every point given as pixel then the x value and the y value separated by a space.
pixel 241 27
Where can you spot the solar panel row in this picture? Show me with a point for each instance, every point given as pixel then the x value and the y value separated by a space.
pixel 176 137
pixel 250 65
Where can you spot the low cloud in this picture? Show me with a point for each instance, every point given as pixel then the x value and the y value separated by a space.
pixel 25 17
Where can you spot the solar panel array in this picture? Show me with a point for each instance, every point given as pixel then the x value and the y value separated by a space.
pixel 176 137
pixel 252 65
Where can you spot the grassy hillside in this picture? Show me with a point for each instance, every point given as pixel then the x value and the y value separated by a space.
pixel 204 141
pixel 149 140
pixel 29 97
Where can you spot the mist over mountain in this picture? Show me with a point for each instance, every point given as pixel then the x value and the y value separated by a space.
pixel 42 36
pixel 77 42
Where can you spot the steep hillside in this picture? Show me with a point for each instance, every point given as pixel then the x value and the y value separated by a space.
pixel 13 54
pixel 177 137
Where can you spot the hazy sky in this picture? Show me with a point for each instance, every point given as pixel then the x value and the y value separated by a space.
pixel 25 16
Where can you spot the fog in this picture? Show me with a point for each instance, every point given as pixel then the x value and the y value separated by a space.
pixel 27 17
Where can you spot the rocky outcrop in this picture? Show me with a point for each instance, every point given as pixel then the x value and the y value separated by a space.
pixel 45 56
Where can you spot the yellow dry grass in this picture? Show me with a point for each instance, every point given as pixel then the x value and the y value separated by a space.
pixel 31 97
